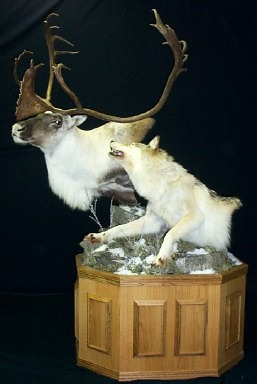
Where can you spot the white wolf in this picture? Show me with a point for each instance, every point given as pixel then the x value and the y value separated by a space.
pixel 176 199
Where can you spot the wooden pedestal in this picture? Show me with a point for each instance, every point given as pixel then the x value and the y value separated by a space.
pixel 159 327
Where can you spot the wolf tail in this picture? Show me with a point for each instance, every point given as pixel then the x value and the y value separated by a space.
pixel 233 202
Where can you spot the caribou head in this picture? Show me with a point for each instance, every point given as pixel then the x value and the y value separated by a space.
pixel 45 130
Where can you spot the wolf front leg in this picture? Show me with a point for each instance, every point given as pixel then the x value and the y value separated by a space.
pixel 185 225
pixel 150 223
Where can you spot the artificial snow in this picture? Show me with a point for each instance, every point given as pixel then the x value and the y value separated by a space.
pixel 117 252
pixel 207 271
pixel 102 248
pixel 198 251
pixel 234 259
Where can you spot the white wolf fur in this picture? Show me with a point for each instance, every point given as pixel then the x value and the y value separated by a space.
pixel 176 199
pixel 78 164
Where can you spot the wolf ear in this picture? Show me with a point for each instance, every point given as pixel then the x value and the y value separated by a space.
pixel 154 144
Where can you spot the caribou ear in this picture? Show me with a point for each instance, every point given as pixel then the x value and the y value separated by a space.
pixel 154 144
pixel 78 119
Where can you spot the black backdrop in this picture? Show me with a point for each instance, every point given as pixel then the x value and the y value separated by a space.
pixel 208 123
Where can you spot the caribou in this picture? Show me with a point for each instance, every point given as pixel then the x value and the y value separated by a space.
pixel 78 162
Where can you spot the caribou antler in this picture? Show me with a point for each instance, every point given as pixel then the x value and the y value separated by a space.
pixel 55 69
pixel 29 103
pixel 52 52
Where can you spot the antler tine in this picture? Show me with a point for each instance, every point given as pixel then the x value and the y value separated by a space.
pixel 52 52
pixel 58 74
pixel 16 64
pixel 178 46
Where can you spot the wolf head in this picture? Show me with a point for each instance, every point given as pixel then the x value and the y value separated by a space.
pixel 135 152
pixel 139 160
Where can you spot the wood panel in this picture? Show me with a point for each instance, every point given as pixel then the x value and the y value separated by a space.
pixel 191 323
pixel 149 328
pixel 99 323
pixel 232 319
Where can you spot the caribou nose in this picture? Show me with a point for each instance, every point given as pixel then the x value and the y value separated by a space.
pixel 17 127
pixel 20 129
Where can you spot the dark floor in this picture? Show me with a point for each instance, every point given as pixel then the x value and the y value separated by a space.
pixel 37 344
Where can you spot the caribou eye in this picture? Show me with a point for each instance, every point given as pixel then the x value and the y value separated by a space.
pixel 57 122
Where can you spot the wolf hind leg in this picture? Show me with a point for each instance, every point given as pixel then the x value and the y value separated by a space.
pixel 184 226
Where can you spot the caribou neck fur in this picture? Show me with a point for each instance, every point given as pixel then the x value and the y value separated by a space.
pixel 78 162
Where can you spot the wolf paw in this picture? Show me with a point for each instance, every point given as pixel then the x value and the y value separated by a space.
pixel 158 261
pixel 94 238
